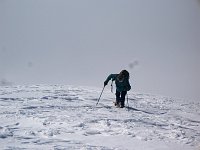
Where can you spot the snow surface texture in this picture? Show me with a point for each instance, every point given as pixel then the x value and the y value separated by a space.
pixel 66 117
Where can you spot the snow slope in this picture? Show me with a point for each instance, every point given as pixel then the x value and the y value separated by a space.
pixel 66 117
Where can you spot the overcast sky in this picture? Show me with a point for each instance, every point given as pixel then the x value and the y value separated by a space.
pixel 80 42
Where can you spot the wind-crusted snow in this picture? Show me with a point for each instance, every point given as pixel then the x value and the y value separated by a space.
pixel 66 117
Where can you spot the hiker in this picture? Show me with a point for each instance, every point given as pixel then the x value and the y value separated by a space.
pixel 122 86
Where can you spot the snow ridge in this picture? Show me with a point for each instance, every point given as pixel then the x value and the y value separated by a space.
pixel 66 117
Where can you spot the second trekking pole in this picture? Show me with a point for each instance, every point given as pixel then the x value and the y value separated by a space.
pixel 100 96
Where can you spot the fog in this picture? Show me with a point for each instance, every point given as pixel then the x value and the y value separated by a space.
pixel 82 42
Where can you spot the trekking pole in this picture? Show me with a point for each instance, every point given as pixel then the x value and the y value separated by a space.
pixel 100 96
pixel 112 86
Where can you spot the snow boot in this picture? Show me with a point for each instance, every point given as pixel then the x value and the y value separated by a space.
pixel 117 104
pixel 122 105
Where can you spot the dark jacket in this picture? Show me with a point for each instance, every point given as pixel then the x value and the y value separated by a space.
pixel 120 86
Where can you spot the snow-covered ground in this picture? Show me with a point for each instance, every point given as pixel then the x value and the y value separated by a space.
pixel 66 117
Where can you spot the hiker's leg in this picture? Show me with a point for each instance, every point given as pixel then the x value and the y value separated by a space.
pixel 117 97
pixel 123 95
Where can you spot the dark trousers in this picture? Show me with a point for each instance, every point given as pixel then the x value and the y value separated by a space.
pixel 120 97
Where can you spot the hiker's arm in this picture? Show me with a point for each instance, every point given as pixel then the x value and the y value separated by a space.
pixel 128 86
pixel 111 76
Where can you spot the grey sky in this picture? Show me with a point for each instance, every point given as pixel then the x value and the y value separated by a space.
pixel 80 42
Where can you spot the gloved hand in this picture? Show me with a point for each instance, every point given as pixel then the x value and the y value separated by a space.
pixel 105 83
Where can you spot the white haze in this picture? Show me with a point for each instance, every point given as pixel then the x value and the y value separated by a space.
pixel 81 42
